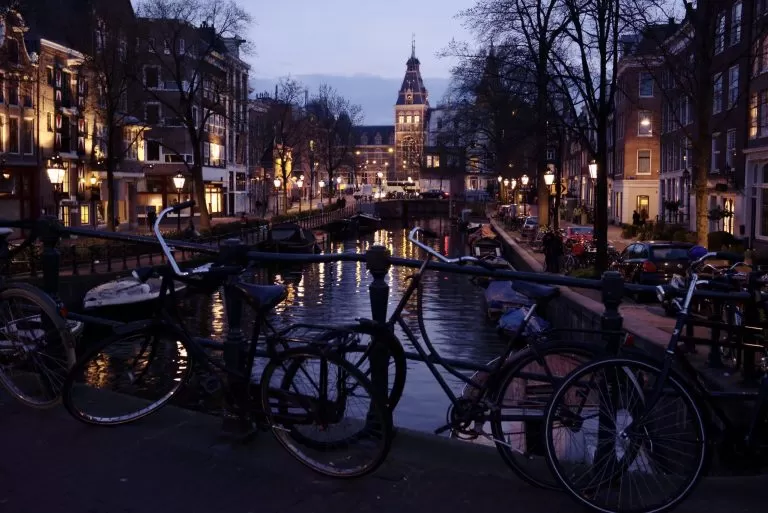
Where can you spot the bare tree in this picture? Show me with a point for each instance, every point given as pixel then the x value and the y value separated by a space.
pixel 186 38
pixel 333 119
pixel 290 128
pixel 111 66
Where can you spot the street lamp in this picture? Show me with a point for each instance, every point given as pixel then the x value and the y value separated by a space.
pixel 178 182
pixel 593 175
pixel 56 176
pixel 506 190
pixel 321 183
pixel 524 180
pixel 549 177
pixel 300 185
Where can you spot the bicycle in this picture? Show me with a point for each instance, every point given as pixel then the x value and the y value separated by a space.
pixel 531 363
pixel 627 413
pixel 37 346
pixel 159 354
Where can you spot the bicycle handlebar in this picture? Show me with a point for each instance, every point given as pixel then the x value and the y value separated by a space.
pixel 412 236
pixel 161 240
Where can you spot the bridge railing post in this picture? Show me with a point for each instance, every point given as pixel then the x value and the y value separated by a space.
pixel 50 259
pixel 611 320
pixel 378 264
pixel 234 342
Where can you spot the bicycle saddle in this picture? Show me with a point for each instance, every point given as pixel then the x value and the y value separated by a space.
pixel 262 297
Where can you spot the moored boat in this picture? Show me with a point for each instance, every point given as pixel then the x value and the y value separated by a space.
pixel 288 238
pixel 500 297
pixel 125 298
pixel 363 222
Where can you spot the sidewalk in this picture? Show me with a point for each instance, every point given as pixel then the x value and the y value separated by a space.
pixel 173 462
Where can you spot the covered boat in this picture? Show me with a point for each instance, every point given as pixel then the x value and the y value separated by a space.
pixel 124 297
pixel 363 222
pixel 288 238
pixel 500 297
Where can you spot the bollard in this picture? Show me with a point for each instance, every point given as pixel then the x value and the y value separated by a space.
pixel 51 260
pixel 377 262
pixel 613 292
pixel 234 343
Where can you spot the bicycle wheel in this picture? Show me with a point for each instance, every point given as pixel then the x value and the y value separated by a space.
pixel 127 377
pixel 610 451
pixel 521 398
pixel 356 343
pixel 37 348
pixel 326 416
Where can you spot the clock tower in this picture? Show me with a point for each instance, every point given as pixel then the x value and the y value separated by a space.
pixel 410 122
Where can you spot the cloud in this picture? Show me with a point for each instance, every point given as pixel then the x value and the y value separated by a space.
pixel 375 94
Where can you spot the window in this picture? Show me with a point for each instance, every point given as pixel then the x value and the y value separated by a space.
pixel 730 148
pixel 13 135
pixel 643 162
pixel 401 119
pixel 182 46
pixel 644 124
pixel 733 86
pixel 28 137
pixel 753 116
pixel 417 119
pixel 720 33
pixel 152 113
pixel 715 153
pixel 736 23
pixel 408 119
pixel 13 93
pixel 2 89
pixel 646 85
pixel 152 77
pixel 2 133
pixel 763 110
pixel 153 150
pixel 717 93
pixel 151 45
pixel 166 46
pixel 433 160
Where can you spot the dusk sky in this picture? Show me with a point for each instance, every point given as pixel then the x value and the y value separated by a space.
pixel 348 37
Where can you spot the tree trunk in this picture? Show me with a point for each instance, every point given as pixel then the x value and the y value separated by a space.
pixel 542 82
pixel 111 225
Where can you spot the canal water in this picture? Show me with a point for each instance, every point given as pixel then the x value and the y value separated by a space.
pixel 454 310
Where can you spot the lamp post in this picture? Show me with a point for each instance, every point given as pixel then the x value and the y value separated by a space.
pixel 178 182
pixel 55 172
pixel 380 176
pixel 276 182
pixel 300 185
pixel 94 188
pixel 499 179
pixel 524 180
pixel 549 179
pixel 321 183
pixel 593 175
pixel 506 190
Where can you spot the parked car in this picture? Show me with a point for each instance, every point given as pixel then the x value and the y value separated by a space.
pixel 580 234
pixel 653 262
pixel 529 226
pixel 434 194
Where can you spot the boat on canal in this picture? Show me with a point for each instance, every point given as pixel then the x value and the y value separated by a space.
pixel 115 298
pixel 289 238
pixel 501 297
pixel 365 223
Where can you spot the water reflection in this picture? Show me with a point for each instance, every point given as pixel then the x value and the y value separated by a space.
pixel 338 292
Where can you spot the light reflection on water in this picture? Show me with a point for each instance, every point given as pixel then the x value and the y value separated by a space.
pixel 338 292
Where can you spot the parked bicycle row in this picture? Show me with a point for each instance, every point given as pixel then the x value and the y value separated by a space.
pixel 618 429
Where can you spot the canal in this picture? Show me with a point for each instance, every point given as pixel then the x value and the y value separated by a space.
pixel 321 293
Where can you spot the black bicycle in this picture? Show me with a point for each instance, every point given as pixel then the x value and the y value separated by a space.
pixel 510 393
pixel 321 408
pixel 37 346
pixel 631 433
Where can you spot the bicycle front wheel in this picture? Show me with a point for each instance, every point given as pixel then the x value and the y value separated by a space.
pixel 37 347
pixel 324 412
pixel 614 452
pixel 526 386
pixel 127 377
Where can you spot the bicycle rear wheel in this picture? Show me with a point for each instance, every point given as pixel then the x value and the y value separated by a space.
pixel 127 377
pixel 528 382
pixel 37 347
pixel 614 453
pixel 325 413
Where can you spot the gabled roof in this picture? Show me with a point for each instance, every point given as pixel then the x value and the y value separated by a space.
pixel 412 90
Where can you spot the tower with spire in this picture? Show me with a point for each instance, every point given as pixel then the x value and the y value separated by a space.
pixel 411 112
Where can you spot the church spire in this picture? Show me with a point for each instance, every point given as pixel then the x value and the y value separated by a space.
pixel 413 46
pixel 412 90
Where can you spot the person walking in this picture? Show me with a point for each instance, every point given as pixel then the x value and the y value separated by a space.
pixel 546 243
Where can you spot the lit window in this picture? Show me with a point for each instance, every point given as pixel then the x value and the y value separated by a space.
pixel 643 162
pixel 644 123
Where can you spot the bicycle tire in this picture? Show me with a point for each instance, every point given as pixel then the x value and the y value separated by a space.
pixel 88 366
pixel 290 438
pixel 639 455
pixel 61 348
pixel 523 464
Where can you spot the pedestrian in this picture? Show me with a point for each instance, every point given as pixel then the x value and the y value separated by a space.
pixel 557 250
pixel 635 218
pixel 546 243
